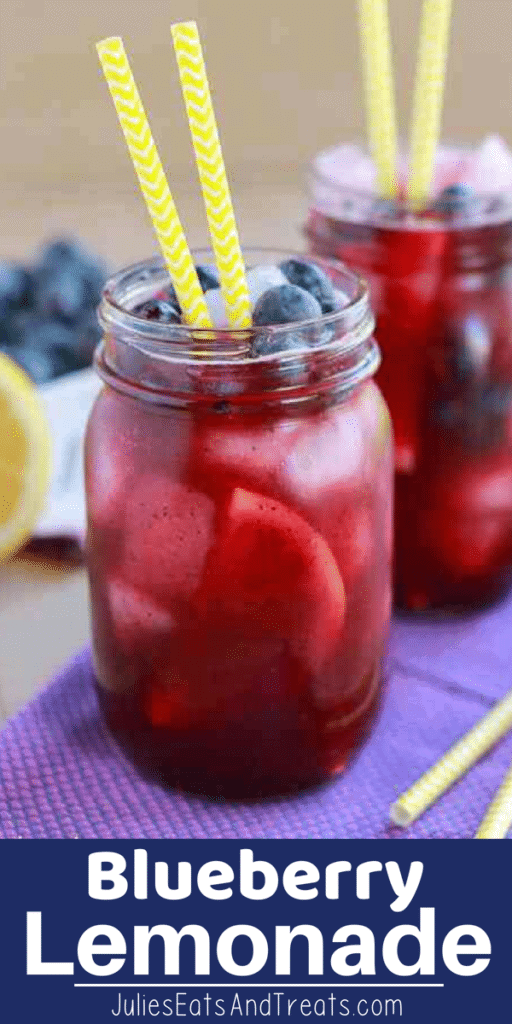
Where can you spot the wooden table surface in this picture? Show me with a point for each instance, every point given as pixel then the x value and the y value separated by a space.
pixel 43 607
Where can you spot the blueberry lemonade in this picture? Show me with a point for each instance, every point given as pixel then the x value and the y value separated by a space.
pixel 239 543
pixel 441 285
pixel 238 470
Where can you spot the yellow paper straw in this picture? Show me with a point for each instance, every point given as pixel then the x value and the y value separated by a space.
pixel 428 98
pixel 212 173
pixel 379 91
pixel 498 817
pixel 426 790
pixel 152 181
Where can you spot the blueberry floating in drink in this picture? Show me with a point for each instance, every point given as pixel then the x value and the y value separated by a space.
pixel 208 277
pixel 454 200
pixel 160 310
pixel 286 304
pixel 312 279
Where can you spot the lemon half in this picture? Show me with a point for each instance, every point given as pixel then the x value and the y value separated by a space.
pixel 24 457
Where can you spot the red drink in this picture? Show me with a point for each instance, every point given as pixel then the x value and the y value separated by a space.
pixel 441 289
pixel 239 544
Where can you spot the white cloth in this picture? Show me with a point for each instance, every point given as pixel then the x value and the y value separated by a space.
pixel 68 402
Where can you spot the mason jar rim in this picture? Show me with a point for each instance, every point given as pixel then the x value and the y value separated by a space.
pixel 173 341
pixel 405 219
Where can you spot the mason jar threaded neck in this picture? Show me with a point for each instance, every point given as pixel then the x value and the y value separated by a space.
pixel 478 242
pixel 177 364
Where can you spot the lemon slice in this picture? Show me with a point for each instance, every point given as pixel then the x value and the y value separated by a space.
pixel 24 457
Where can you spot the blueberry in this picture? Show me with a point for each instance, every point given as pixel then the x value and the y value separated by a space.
pixel 47 318
pixel 68 280
pixel 59 252
pixel 10 333
pixel 445 412
pixel 208 277
pixel 285 304
pixel 469 346
pixel 454 199
pixel 15 287
pixel 266 345
pixel 65 360
pixel 94 273
pixel 312 279
pixel 64 297
pixel 476 416
pixel 170 296
pixel 496 399
pixel 44 334
pixel 160 310
pixel 387 209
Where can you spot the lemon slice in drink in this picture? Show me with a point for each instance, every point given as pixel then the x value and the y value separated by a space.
pixel 24 457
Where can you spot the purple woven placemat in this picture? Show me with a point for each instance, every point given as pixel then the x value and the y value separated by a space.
pixel 63 776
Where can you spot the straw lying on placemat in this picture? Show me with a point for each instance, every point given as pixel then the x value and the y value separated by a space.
pixel 461 756
pixel 498 817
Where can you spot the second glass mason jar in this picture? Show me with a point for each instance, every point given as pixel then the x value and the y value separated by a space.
pixel 442 292
pixel 239 541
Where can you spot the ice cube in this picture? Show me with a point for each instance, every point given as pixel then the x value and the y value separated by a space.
pixel 216 308
pixel 261 279
pixel 347 166
pixel 329 455
pixel 451 166
pixel 345 182
pixel 251 456
pixel 490 169
pixel 487 170
pixel 135 616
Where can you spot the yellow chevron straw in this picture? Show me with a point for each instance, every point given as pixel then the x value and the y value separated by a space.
pixel 379 91
pixel 498 817
pixel 426 790
pixel 212 173
pixel 428 97
pixel 153 182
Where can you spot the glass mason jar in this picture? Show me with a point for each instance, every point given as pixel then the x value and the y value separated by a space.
pixel 442 293
pixel 239 541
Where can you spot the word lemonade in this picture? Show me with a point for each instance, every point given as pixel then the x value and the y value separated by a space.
pixel 431 230
pixel 238 475
pixel 356 951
